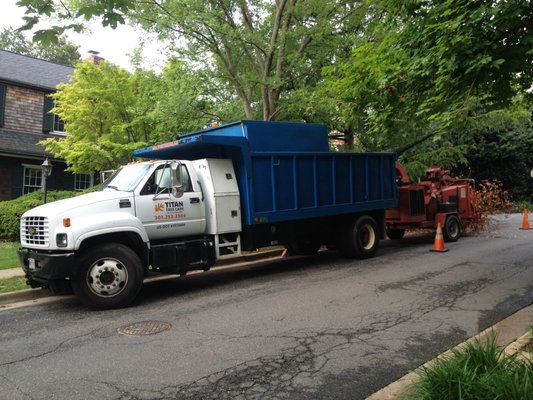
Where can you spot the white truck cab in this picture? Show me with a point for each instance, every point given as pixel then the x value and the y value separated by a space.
pixel 159 215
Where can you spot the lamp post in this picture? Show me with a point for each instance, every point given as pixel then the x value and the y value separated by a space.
pixel 46 169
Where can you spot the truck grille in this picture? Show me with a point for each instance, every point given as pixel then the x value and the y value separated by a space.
pixel 34 230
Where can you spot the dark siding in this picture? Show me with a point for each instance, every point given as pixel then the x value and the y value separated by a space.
pixel 59 180
pixel 2 102
pixel 17 177
pixel 5 181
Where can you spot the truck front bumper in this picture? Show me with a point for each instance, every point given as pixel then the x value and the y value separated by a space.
pixel 41 268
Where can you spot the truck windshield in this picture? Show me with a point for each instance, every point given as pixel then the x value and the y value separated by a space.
pixel 126 178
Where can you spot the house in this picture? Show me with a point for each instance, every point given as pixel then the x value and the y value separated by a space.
pixel 25 120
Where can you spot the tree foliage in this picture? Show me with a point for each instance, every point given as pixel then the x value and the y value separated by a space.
pixel 181 100
pixel 499 147
pixel 260 50
pixel 109 112
pixel 102 118
pixel 427 64
pixel 408 76
pixel 62 52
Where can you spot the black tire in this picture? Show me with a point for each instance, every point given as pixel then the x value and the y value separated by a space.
pixel 108 276
pixel 360 239
pixel 303 247
pixel 452 229
pixel 395 234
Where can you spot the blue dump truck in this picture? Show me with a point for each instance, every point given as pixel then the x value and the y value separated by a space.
pixel 207 196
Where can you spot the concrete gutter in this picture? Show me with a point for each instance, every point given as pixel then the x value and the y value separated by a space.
pixel 34 294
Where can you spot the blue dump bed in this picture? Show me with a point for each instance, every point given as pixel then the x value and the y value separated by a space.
pixel 286 172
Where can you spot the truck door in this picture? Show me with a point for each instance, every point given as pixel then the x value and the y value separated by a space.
pixel 165 216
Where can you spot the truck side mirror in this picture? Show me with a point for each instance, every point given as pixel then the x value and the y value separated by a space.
pixel 104 175
pixel 177 185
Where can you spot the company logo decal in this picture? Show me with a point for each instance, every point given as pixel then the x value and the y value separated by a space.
pixel 169 210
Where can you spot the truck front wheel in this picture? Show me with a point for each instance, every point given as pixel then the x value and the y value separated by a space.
pixel 360 239
pixel 108 276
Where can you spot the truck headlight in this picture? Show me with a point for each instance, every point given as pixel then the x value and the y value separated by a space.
pixel 61 240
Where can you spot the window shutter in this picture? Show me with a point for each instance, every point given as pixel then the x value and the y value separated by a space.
pixel 2 102
pixel 48 117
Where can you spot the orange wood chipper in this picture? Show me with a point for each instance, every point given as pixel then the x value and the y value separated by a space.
pixel 438 199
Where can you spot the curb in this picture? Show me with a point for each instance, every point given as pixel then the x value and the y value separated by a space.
pixel 509 331
pixel 24 295
pixel 39 293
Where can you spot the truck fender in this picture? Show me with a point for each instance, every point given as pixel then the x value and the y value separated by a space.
pixel 121 223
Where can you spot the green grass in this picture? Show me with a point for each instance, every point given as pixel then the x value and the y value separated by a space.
pixel 475 372
pixel 8 255
pixel 13 284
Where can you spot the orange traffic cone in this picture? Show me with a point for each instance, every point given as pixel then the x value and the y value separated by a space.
pixel 439 241
pixel 525 221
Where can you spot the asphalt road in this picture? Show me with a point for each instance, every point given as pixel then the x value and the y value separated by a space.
pixel 301 328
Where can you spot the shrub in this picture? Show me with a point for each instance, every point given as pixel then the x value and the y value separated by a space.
pixel 12 210
pixel 475 372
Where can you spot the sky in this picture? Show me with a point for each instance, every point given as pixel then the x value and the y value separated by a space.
pixel 113 45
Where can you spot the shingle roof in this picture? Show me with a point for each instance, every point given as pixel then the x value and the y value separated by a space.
pixel 30 71
pixel 21 143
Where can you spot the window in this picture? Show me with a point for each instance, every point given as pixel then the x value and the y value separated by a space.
pixel 185 179
pixel 51 122
pixel 126 178
pixel 59 125
pixel 32 178
pixel 161 180
pixel 82 182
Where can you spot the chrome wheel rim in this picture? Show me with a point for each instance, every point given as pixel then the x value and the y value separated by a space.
pixel 107 277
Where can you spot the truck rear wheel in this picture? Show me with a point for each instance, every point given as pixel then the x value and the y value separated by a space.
pixel 108 276
pixel 360 239
pixel 452 229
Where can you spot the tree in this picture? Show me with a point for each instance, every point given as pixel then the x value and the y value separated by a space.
pixel 182 100
pixel 109 112
pixel 101 112
pixel 260 49
pixel 62 52
pixel 428 65
pixel 13 40
pixel 499 147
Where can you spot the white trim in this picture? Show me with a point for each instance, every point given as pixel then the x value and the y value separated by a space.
pixel 31 166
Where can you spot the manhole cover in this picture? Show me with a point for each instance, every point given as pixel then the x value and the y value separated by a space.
pixel 144 328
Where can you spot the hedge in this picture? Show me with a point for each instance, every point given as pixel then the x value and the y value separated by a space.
pixel 12 210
